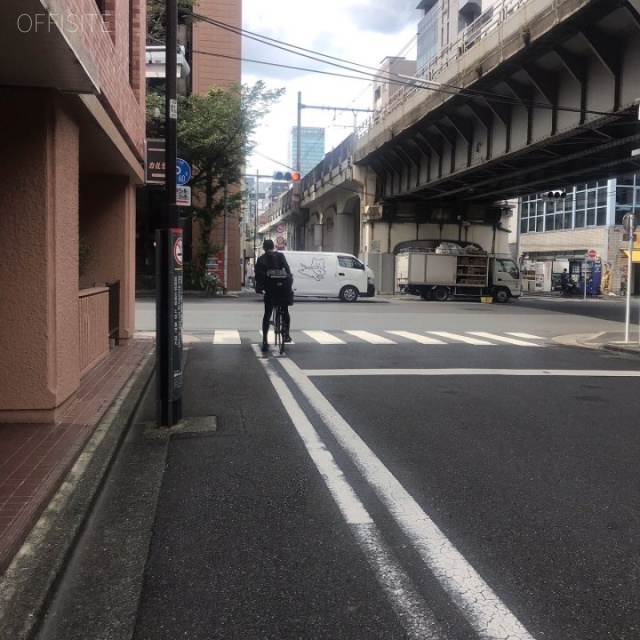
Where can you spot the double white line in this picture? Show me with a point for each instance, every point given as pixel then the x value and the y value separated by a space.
pixel 481 607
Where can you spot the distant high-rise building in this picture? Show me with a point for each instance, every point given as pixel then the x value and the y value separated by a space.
pixel 311 148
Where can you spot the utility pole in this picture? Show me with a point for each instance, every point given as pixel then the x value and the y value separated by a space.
pixel 298 135
pixel 169 252
pixel 255 219
pixel 225 253
pixel 309 106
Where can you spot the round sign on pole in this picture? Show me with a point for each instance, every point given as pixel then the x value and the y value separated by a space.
pixel 183 171
pixel 280 228
pixel 592 253
pixel 177 251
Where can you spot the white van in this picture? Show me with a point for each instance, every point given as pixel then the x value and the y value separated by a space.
pixel 330 275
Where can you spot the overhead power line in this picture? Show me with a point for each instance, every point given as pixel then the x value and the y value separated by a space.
pixel 372 73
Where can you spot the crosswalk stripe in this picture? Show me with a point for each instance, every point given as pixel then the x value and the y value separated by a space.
pixel 466 339
pixel 492 336
pixel 323 337
pixel 416 337
pixel 226 336
pixel 370 337
pixel 476 338
pixel 271 337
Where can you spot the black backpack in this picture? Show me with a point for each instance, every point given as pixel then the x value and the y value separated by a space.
pixel 278 280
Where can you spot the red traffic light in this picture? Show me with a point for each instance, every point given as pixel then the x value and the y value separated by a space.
pixel 289 176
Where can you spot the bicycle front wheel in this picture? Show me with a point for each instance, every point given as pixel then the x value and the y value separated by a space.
pixel 279 331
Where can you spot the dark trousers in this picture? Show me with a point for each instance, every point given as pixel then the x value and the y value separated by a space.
pixel 266 318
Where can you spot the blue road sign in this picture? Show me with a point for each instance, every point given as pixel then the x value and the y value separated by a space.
pixel 183 171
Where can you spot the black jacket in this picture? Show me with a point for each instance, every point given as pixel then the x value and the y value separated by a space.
pixel 269 260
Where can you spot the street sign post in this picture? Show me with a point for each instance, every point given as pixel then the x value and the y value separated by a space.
pixel 629 225
pixel 183 196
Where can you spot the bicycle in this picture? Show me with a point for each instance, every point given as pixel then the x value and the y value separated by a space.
pixel 278 328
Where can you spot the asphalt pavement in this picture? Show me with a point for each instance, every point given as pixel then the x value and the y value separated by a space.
pixel 214 528
pixel 217 528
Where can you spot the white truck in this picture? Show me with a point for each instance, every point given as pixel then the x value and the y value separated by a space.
pixel 435 275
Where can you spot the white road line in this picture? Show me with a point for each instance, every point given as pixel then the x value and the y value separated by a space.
pixel 482 608
pixel 413 612
pixel 416 337
pixel 524 335
pixel 595 373
pixel 226 336
pixel 466 339
pixel 271 337
pixel 372 338
pixel 323 337
pixel 493 336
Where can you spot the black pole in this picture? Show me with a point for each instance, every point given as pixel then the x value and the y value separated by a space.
pixel 171 114
pixel 169 252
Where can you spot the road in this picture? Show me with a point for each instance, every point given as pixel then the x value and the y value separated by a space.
pixel 409 470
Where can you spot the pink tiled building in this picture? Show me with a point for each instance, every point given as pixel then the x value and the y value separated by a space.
pixel 216 61
pixel 72 95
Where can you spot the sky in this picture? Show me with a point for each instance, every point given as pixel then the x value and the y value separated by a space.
pixel 361 33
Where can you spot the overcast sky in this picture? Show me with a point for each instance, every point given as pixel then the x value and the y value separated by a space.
pixel 358 32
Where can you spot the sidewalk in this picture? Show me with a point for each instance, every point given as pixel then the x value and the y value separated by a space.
pixel 36 458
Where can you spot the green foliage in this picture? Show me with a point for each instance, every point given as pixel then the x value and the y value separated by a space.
pixel 195 279
pixel 156 10
pixel 215 136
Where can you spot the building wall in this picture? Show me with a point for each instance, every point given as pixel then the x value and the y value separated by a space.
pixel 107 225
pixel 39 368
pixel 383 88
pixel 57 140
pixel 217 62
pixel 122 90
pixel 211 43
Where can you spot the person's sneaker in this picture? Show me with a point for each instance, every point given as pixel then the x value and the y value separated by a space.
pixel 265 346
pixel 287 338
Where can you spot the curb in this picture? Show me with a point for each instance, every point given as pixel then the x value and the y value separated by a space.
pixel 29 582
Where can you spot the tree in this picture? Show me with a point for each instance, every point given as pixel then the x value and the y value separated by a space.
pixel 156 11
pixel 214 136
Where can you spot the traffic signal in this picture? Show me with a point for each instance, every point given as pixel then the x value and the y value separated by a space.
pixel 288 176
pixel 554 196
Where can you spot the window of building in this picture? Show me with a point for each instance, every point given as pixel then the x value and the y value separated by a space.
pixel 532 215
pixel 627 196
pixel 585 206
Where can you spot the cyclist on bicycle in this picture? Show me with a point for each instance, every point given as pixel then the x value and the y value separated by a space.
pixel 274 293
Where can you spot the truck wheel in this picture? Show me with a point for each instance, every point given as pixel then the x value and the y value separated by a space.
pixel 440 294
pixel 501 295
pixel 426 295
pixel 349 294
